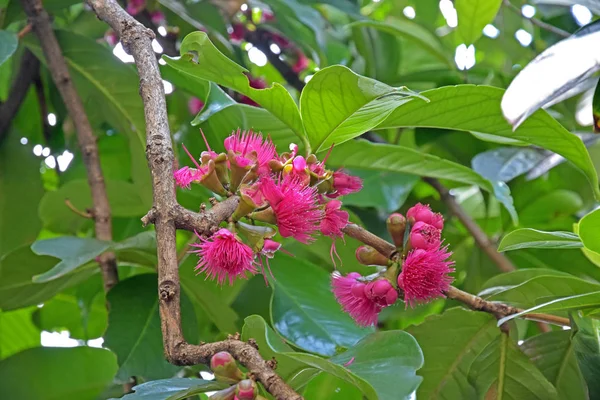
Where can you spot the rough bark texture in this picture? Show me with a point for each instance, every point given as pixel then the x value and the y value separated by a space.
pixel 167 214
pixel 42 27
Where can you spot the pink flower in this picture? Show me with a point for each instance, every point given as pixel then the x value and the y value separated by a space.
pixel 381 292
pixel 425 236
pixel 350 293
pixel 424 275
pixel 224 256
pixel 280 41
pixel 157 17
pixel 195 105
pixel 345 184
pixel 237 33
pixel 294 205
pixel 423 213
pixel 301 63
pixel 267 16
pixel 249 148
pixel 334 219
pixel 134 7
pixel 255 83
pixel 186 175
pixel 269 248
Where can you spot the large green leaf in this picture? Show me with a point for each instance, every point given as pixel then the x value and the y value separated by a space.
pixel 502 371
pixel 532 238
pixel 586 343
pixel 589 226
pixel 200 58
pixel 329 387
pixel 304 310
pixel 381 52
pixel 124 198
pixel 134 333
pixel 450 343
pixel 172 389
pixel 410 31
pixel 17 270
pixel 473 16
pixel 8 45
pixel 517 277
pixel 477 108
pixel 17 332
pixel 576 302
pixel 338 105
pixel 109 90
pixel 506 163
pixel 392 158
pixel 21 188
pixel 88 370
pixel 552 353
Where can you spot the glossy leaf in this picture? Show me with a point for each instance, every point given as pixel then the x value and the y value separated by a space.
pixel 134 333
pixel 505 163
pixel 172 389
pixel 501 370
pixel 199 57
pixel 17 270
pixel 329 387
pixel 473 16
pixel 8 45
pixel 553 354
pixel 48 367
pixel 304 310
pixel 72 251
pixel 17 332
pixel 531 238
pixel 480 112
pixel 589 226
pixel 384 190
pixel 410 31
pixel 517 277
pixel 586 343
pixel 338 105
pixel 450 344
pixel 380 52
pixel 545 78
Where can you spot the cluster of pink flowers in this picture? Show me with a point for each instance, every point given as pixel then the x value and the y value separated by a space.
pixel 296 194
pixel 421 275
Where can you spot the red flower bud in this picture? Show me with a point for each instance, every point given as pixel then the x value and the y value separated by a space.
pixel 225 368
pixel 425 236
pixel 423 213
pixel 381 292
pixel 367 255
pixel 246 390
pixel 396 225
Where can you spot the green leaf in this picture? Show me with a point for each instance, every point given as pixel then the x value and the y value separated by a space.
pixel 553 354
pixel 89 371
pixel 16 272
pixel 409 31
pixel 477 108
pixel 109 90
pixel 329 387
pixel 576 302
pixel 172 389
pixel 586 342
pixel 380 51
pixel 124 198
pixel 473 16
pixel 448 358
pixel 528 293
pixel 517 277
pixel 21 188
pixel 501 370
pixel 505 163
pixel 200 58
pixel 134 333
pixel 589 226
pixel 8 45
pixel 532 238
pixel 73 252
pixel 304 310
pixel 17 332
pixel 338 105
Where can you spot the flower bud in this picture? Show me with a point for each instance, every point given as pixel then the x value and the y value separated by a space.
pixel 422 212
pixel 225 394
pixel 424 236
pixel 211 181
pixel 367 255
pixel 269 248
pixel 225 368
pixel 396 225
pixel 381 292
pixel 246 390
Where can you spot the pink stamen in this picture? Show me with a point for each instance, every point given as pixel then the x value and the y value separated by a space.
pixel 190 156
pixel 349 362
pixel 328 153
pixel 205 141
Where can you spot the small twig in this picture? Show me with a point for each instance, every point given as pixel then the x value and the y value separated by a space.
pixel 481 239
pixel 41 97
pixel 84 214
pixel 537 22
pixel 26 29
pixel 42 27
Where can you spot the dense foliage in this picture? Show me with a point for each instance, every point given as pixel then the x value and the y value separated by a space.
pixel 269 100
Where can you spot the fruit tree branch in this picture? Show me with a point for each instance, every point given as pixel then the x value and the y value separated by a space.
pixel 166 213
pixel 42 27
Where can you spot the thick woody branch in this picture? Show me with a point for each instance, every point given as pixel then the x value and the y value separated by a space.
pixel 166 213
pixel 41 25
pixel 481 239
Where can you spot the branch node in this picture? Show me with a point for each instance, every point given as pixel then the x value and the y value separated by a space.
pixel 149 218
pixel 253 343
pixel 167 290
pixel 272 363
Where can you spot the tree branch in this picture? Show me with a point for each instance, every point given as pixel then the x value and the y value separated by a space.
pixel 537 22
pixel 28 70
pixel 481 239
pixel 137 40
pixel 41 25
